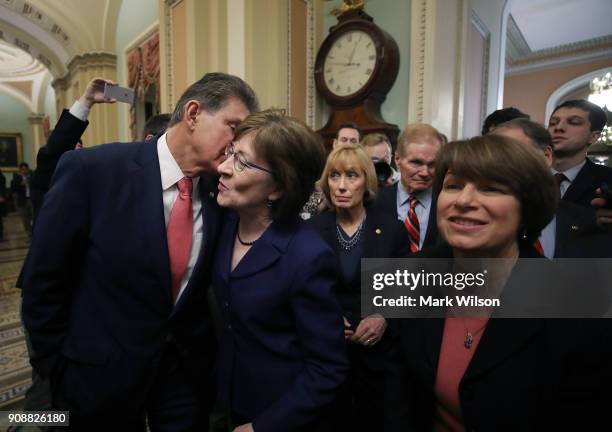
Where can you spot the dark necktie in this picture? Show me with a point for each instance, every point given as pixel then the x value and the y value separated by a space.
pixel 559 177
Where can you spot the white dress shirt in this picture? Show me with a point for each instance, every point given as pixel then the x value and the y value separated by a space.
pixel 170 174
pixel 571 176
pixel 79 110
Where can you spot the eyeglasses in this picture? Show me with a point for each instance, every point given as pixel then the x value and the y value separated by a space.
pixel 240 162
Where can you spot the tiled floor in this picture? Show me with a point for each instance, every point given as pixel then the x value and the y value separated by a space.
pixel 14 366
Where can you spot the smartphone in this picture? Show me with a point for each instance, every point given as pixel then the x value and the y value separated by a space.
pixel 121 94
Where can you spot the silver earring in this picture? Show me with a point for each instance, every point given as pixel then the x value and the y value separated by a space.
pixel 269 204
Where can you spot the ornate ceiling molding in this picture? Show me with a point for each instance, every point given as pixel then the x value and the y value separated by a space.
pixel 578 52
pixel 517 46
pixel 85 61
pixel 37 17
pixel 16 61
pixel 34 48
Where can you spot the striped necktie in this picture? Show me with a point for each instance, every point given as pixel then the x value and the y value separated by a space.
pixel 412 225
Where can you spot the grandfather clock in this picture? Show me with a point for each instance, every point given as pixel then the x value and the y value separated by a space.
pixel 355 68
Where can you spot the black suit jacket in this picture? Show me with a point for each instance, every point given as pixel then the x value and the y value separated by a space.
pixel 18 189
pixel 589 178
pixel 64 137
pixel 526 374
pixel 97 300
pixel 573 222
pixel 386 202
pixel 384 237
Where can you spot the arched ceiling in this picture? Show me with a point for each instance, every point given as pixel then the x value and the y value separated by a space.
pixel 39 38
pixel 23 77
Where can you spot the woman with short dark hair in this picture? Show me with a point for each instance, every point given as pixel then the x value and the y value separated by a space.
pixel 471 370
pixel 282 352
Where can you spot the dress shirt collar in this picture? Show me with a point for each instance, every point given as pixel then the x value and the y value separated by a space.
pixel 572 172
pixel 170 171
pixel 423 197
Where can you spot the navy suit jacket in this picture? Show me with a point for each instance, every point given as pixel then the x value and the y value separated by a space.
pixel 97 300
pixel 573 222
pixel 526 374
pixel 386 202
pixel 64 137
pixel 282 353
pixel 589 178
pixel 384 237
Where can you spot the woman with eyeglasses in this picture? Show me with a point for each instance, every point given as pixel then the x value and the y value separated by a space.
pixel 282 353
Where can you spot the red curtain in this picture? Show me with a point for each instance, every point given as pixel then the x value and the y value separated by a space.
pixel 143 71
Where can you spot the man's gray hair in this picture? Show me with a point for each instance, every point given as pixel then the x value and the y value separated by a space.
pixel 534 131
pixel 213 91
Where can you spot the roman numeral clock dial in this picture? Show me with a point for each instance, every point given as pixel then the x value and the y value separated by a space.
pixel 350 63
pixel 355 68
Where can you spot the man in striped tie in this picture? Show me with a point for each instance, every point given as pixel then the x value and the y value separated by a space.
pixel 411 198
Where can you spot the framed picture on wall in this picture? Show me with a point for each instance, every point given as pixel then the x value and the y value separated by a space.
pixel 11 151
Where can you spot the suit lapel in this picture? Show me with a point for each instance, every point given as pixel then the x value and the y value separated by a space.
pixel 374 248
pixel 327 227
pixel 146 186
pixel 582 183
pixel 267 250
pixel 500 340
pixel 431 236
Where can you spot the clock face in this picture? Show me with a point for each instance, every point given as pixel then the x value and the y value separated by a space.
pixel 350 63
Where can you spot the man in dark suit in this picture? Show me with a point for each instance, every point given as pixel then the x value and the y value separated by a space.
pixel 571 221
pixel 417 150
pixel 574 126
pixel 20 188
pixel 117 314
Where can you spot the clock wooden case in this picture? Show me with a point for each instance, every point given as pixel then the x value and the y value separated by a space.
pixel 355 68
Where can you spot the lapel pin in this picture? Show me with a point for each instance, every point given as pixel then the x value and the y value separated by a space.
pixel 575 227
pixel 378 231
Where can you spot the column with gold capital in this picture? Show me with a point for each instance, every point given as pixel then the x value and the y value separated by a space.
pixel 103 119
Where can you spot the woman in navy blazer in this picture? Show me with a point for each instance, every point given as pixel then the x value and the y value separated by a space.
pixel 282 353
pixel 355 230
pixel 478 371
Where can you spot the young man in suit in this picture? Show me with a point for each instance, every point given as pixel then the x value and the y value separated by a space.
pixel 574 126
pixel 411 200
pixel 117 314
pixel 571 221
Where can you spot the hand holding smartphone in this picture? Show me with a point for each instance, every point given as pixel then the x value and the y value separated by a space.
pixel 121 94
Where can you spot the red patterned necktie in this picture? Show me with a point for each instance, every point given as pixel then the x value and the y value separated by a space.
pixel 412 225
pixel 180 233
pixel 538 246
